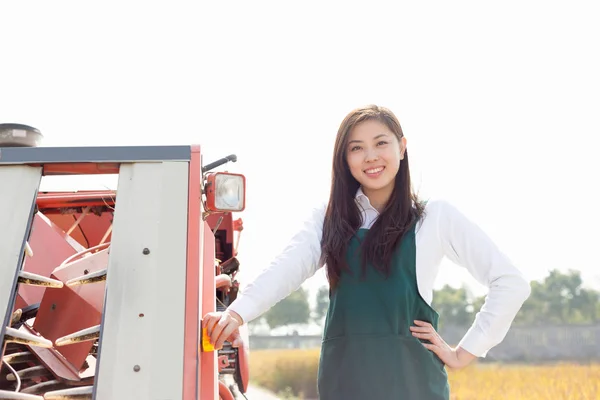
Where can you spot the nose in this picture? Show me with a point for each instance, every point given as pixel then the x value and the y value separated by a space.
pixel 371 155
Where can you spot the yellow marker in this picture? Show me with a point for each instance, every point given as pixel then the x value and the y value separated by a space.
pixel 206 345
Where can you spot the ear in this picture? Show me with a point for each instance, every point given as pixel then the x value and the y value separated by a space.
pixel 402 147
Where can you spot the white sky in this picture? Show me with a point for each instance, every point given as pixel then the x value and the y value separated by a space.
pixel 499 103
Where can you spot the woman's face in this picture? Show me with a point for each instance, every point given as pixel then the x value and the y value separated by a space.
pixel 373 155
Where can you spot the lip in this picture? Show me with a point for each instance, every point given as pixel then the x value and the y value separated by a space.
pixel 374 172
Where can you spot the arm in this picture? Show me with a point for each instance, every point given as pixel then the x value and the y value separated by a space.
pixel 465 244
pixel 298 262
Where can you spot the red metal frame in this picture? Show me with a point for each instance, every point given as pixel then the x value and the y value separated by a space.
pixel 79 213
pixel 58 200
pixel 243 352
pixel 226 224
pixel 224 393
pixel 208 360
pixel 193 286
pixel 80 168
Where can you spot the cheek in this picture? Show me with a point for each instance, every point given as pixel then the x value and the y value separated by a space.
pixel 354 163
pixel 392 156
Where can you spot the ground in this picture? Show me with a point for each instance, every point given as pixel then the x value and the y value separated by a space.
pixel 256 393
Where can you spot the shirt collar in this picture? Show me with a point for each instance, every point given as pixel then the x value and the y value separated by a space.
pixel 360 194
pixel 363 201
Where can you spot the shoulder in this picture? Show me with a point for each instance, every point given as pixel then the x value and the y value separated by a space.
pixel 317 210
pixel 441 217
pixel 436 205
pixel 435 209
pixel 314 214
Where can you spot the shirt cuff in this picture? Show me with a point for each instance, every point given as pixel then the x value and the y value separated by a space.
pixel 244 308
pixel 476 342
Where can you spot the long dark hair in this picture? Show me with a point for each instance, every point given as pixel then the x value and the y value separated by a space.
pixel 342 218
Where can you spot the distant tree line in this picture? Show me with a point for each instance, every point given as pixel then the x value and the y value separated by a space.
pixel 559 299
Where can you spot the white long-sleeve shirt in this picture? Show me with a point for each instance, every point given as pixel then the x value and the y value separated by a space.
pixel 443 232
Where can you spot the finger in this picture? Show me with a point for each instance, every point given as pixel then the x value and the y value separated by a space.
pixel 235 339
pixel 209 322
pixel 225 334
pixel 422 323
pixel 237 342
pixel 428 336
pixel 214 315
pixel 420 329
pixel 436 340
pixel 218 328
pixel 440 341
pixel 433 348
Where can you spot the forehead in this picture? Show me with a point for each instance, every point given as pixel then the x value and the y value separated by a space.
pixel 368 130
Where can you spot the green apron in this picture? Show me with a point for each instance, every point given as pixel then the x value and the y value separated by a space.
pixel 368 351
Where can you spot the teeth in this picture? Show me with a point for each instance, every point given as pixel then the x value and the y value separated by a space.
pixel 29 373
pixel 42 387
pixel 83 335
pixel 28 250
pixel 16 358
pixel 10 395
pixel 27 278
pixel 98 276
pixel 15 336
pixel 16 317
pixel 374 170
pixel 79 393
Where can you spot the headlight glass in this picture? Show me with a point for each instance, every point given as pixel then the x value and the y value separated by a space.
pixel 229 192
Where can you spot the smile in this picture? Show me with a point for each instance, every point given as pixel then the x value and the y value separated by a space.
pixel 374 172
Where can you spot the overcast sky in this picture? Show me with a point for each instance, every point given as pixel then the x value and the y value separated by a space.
pixel 499 103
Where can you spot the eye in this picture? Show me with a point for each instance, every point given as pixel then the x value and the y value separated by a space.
pixel 381 143
pixel 355 148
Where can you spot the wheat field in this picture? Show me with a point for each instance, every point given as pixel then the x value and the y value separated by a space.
pixel 294 371
pixel 566 381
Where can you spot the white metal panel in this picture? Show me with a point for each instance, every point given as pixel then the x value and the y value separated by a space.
pixel 141 357
pixel 18 191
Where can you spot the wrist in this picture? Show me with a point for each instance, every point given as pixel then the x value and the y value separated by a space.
pixel 463 356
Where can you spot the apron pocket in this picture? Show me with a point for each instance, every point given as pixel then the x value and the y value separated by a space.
pixel 380 367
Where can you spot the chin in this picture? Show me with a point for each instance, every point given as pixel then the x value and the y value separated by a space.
pixel 373 186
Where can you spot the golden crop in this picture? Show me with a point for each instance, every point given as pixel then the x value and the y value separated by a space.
pixel 526 382
pixel 294 371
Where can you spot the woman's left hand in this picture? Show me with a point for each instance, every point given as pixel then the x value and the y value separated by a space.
pixel 453 358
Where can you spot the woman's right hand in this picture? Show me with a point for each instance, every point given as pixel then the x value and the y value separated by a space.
pixel 223 326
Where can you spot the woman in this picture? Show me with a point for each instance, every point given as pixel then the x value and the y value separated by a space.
pixel 382 248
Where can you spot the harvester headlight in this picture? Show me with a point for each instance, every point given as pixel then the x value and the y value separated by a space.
pixel 225 192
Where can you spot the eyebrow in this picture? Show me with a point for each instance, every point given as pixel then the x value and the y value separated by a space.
pixel 375 138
